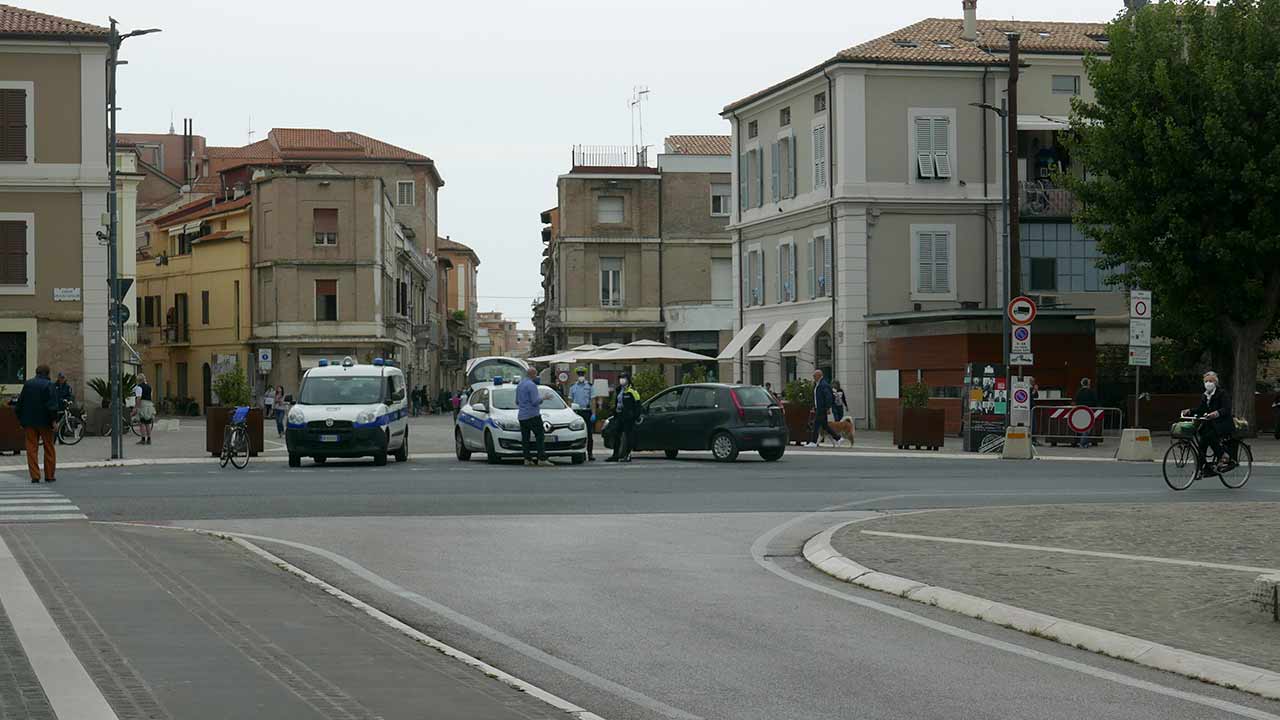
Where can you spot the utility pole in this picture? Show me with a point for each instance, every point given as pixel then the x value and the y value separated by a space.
pixel 1011 158
pixel 1007 268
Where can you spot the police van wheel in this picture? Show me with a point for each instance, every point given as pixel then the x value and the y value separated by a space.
pixel 490 453
pixel 402 454
pixel 380 459
pixel 295 460
pixel 459 447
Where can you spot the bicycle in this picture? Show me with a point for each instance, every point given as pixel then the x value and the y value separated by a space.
pixel 70 427
pixel 1185 461
pixel 128 420
pixel 235 440
pixel 1037 196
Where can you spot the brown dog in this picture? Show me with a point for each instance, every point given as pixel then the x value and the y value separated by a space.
pixel 844 428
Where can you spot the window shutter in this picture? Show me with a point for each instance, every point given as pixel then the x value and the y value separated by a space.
pixel 782 273
pixel 813 267
pixel 827 279
pixel 744 273
pixel 792 290
pixel 774 175
pixel 743 171
pixel 13 252
pixel 820 156
pixel 942 146
pixel 758 163
pixel 13 125
pixel 924 263
pixel 326 220
pixel 924 146
pixel 791 167
pixel 760 295
pixel 941 263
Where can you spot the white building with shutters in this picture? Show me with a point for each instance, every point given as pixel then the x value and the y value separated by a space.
pixel 867 208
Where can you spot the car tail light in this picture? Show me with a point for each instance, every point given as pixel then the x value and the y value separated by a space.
pixel 742 414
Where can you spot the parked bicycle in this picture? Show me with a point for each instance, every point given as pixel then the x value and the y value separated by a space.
pixel 70 427
pixel 235 439
pixel 129 419
pixel 1187 461
pixel 1037 195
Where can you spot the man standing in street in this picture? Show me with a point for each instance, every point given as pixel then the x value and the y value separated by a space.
pixel 580 395
pixel 529 405
pixel 36 408
pixel 626 410
pixel 823 399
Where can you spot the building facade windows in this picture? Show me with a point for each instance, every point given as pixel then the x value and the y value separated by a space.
pixel 819 156
pixel 326 300
pixel 754 278
pixel 787 272
pixel 17 253
pixel 13 358
pixel 819 267
pixel 721 280
pixel 610 210
pixel 611 282
pixel 784 117
pixel 820 102
pixel 753 128
pixel 325 224
pixel 1066 84
pixel 17 124
pixel 932 147
pixel 404 193
pixel 783 168
pixel 720 194
pixel 204 307
pixel 1059 257
pixel 933 272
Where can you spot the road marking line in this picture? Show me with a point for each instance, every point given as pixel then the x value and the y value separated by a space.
pixel 42 518
pixel 1070 551
pixel 762 543
pixel 37 508
pixel 65 681
pixel 6 500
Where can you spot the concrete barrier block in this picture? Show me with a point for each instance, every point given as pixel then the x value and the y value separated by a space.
pixel 1136 446
pixel 1266 593
pixel 1017 444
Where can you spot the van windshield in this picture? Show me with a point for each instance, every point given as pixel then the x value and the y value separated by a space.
pixel 341 390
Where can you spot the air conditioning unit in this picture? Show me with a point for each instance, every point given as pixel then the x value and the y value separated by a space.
pixel 1047 301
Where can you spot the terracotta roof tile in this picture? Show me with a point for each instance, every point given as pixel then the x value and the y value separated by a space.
pixel 697 144
pixel 260 149
pixel 201 208
pixel 27 23
pixel 310 144
pixel 375 148
pixel 447 245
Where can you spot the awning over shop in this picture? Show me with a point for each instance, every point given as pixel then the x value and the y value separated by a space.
pixel 805 336
pixel 742 338
pixel 771 338
pixel 1042 122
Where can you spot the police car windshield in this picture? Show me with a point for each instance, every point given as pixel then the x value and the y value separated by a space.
pixel 341 390
pixel 504 398
pixel 509 370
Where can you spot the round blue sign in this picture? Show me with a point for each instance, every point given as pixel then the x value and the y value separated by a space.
pixel 1021 333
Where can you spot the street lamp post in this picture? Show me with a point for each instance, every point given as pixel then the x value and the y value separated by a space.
pixel 1006 269
pixel 115 324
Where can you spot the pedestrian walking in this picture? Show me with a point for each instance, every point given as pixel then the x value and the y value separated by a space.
pixel 281 410
pixel 145 407
pixel 823 400
pixel 456 403
pixel 626 411
pixel 64 398
pixel 768 387
pixel 269 403
pixel 580 395
pixel 37 406
pixel 529 413
pixel 1085 397
pixel 839 401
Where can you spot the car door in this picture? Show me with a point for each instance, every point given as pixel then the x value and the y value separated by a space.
pixel 471 419
pixel 699 414
pixel 399 410
pixel 656 432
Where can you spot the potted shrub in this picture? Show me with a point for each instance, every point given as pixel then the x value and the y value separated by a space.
pixel 797 409
pixel 232 388
pixel 918 424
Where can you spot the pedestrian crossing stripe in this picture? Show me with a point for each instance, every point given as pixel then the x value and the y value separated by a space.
pixel 23 501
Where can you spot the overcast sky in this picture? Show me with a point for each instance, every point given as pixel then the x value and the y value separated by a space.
pixel 495 92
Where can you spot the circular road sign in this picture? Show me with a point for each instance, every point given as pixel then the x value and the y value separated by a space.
pixel 564 377
pixel 1021 396
pixel 1080 419
pixel 1022 310
pixel 1021 333
pixel 1140 309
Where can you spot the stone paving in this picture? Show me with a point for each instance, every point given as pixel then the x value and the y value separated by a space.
pixel 1206 610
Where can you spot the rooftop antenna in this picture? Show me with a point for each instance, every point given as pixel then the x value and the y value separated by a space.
pixel 251 133
pixel 639 94
pixel 171 120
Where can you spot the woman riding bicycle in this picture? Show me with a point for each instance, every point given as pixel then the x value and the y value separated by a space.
pixel 1217 425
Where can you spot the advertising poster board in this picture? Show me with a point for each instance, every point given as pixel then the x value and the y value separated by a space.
pixel 986 405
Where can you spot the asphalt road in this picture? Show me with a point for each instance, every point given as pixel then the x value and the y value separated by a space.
pixel 674 589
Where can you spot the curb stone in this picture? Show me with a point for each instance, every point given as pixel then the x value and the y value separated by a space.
pixel 819 552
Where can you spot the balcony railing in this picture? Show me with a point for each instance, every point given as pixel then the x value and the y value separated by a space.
pixel 1041 200
pixel 610 156
pixel 177 334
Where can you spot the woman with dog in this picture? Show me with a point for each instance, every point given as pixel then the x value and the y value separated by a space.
pixel 839 401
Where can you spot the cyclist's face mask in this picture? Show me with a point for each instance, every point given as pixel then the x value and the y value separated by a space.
pixel 1209 385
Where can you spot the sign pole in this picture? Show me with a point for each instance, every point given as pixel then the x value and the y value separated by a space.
pixel 1137 394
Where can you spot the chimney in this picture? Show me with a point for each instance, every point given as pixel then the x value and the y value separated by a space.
pixel 970 31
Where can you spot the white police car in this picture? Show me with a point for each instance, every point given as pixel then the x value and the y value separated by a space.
pixel 488 422
pixel 348 410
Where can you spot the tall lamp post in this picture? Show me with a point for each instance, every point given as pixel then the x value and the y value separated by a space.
pixel 1005 269
pixel 115 323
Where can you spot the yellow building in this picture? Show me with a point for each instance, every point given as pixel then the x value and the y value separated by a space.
pixel 193 300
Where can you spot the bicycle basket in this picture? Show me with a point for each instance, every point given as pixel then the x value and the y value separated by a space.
pixel 1242 427
pixel 240 415
pixel 1183 430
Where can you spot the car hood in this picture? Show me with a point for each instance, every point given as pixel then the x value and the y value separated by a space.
pixel 556 416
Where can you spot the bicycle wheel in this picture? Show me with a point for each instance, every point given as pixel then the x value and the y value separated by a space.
pixel 71 430
pixel 1238 474
pixel 226 448
pixel 133 425
pixel 239 448
pixel 1180 467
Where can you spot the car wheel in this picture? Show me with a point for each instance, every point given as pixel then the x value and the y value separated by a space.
pixel 320 459
pixel 402 454
pixel 579 459
pixel 460 447
pixel 672 454
pixel 380 459
pixel 723 447
pixel 772 454
pixel 490 453
pixel 295 460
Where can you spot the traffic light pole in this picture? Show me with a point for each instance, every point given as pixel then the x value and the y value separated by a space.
pixel 113 254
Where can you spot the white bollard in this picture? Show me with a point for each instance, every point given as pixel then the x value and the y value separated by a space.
pixel 1136 446
pixel 1017 444
pixel 1266 593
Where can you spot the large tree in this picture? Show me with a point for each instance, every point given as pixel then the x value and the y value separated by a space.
pixel 1182 149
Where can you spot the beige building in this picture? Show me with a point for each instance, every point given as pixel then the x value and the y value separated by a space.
pixel 53 198
pixel 500 333
pixel 461 274
pixel 867 210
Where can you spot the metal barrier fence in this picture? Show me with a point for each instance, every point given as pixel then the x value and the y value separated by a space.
pixel 1059 425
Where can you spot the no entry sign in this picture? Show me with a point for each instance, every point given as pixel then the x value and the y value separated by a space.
pixel 1081 418
pixel 1022 310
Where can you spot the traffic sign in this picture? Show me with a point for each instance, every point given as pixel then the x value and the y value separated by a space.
pixel 1021 359
pixel 1140 332
pixel 121 310
pixel 1021 335
pixel 1081 418
pixel 1020 409
pixel 122 286
pixel 264 360
pixel 563 377
pixel 1140 356
pixel 1022 310
pixel 1140 304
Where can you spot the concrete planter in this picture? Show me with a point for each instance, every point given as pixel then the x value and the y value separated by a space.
pixel 799 421
pixel 924 428
pixel 12 437
pixel 216 423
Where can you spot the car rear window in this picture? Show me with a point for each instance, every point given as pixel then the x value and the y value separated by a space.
pixel 752 396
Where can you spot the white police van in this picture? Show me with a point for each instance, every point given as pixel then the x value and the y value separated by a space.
pixel 348 410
